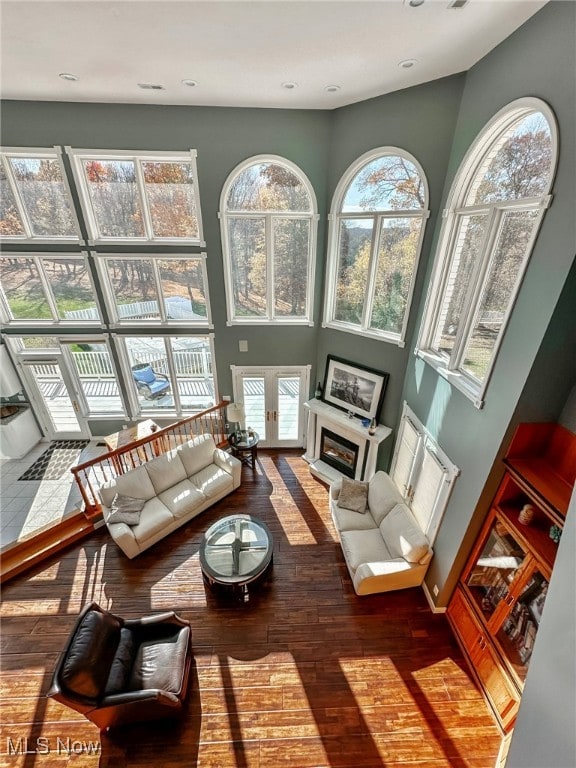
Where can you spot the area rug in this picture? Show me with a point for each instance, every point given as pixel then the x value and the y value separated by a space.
pixel 55 461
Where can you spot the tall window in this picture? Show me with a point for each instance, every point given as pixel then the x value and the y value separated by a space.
pixel 376 229
pixel 145 197
pixel 35 201
pixel 495 208
pixel 268 219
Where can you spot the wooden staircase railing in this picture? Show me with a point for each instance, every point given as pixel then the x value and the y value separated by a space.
pixel 92 474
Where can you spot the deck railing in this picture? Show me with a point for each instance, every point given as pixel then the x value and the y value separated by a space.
pixel 91 475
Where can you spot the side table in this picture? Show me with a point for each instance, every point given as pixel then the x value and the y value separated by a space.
pixel 243 445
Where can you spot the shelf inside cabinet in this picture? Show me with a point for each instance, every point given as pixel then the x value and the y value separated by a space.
pixel 535 536
pixel 544 457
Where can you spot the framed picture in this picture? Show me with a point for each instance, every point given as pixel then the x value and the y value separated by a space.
pixel 355 388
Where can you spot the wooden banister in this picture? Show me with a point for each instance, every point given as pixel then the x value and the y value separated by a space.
pixel 92 474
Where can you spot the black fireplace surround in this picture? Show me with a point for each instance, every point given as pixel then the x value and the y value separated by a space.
pixel 339 453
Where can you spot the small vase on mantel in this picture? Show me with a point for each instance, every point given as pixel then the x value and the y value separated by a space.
pixel 372 427
pixel 318 392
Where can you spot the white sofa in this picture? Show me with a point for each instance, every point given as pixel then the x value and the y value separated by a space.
pixel 175 486
pixel 384 547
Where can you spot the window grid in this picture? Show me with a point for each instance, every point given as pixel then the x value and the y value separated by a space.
pixel 79 156
pixel 456 364
pixel 271 218
pixel 378 217
pixel 7 154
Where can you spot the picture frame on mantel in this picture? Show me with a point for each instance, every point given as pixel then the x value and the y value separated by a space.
pixel 354 388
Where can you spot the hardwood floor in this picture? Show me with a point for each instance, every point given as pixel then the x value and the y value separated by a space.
pixel 305 674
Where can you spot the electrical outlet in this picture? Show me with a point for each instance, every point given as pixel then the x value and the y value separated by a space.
pixel 435 590
pixel 243 345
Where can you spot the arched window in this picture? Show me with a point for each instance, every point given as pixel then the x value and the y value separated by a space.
pixel 495 207
pixel 377 223
pixel 268 220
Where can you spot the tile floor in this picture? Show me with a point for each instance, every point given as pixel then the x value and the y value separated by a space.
pixel 29 505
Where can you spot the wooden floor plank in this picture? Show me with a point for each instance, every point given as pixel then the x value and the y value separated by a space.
pixel 304 675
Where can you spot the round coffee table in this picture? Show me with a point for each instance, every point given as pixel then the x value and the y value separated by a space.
pixel 235 552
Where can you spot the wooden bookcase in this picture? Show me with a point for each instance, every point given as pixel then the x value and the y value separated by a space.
pixel 497 605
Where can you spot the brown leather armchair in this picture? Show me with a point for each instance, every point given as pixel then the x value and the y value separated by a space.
pixel 117 671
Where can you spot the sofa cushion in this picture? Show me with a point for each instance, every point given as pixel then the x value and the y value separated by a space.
pixel 155 517
pixel 121 663
pixel 353 495
pixel 197 453
pixel 183 498
pixel 402 535
pixel 363 547
pixel 159 663
pixel 125 509
pixel 383 495
pixel 89 657
pixel 135 483
pixel 212 481
pixel 346 520
pixel 165 471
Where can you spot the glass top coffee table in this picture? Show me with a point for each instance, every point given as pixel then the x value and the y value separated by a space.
pixel 235 552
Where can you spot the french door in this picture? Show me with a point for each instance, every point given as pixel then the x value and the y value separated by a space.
pixel 56 400
pixel 273 401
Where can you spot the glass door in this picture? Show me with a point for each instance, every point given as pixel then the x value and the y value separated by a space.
pixel 56 400
pixel 274 403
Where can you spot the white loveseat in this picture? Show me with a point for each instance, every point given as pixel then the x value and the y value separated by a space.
pixel 175 487
pixel 384 547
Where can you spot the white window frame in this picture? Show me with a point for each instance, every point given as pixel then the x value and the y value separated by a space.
pixel 336 215
pixel 270 318
pixel 450 367
pixel 78 156
pixel 136 411
pixel 38 153
pixel 116 321
pixel 55 322
pixel 417 485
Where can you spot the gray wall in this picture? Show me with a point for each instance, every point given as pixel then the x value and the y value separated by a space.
pixel 538 60
pixel 421 121
pixel 223 138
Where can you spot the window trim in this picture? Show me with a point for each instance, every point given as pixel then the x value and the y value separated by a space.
pixel 135 411
pixel 449 367
pixel 101 260
pixel 77 156
pixel 29 323
pixel 224 214
pixel 40 153
pixel 336 215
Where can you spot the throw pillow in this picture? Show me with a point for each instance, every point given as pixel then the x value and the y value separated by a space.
pixel 354 495
pixel 126 509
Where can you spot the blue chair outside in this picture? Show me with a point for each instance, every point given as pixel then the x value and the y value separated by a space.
pixel 149 383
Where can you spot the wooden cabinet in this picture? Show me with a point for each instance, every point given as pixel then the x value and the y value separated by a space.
pixel 497 606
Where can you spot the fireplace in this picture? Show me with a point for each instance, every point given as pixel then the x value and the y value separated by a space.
pixel 338 452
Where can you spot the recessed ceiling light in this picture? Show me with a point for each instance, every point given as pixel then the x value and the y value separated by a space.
pixel 407 63
pixel 332 88
pixel 289 85
pixel 414 3
pixel 151 86
pixel 68 76
pixel 190 83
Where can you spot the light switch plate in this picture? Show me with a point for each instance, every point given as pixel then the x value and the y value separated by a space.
pixel 243 345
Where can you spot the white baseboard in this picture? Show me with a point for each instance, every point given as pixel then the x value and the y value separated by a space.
pixel 433 607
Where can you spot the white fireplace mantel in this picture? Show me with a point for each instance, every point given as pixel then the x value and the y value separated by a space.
pixel 321 414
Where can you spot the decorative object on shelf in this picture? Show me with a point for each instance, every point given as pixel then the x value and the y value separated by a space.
pixel 372 427
pixel 365 422
pixel 555 533
pixel 355 388
pixel 526 514
pixel 235 412
pixel 318 392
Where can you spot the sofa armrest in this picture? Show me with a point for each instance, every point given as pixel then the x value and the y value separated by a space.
pixel 229 464
pixel 335 489
pixel 124 537
pixel 168 617
pixel 133 697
